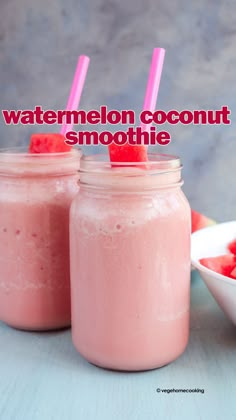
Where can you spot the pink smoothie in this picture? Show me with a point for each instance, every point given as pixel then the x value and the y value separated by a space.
pixel 34 246
pixel 130 274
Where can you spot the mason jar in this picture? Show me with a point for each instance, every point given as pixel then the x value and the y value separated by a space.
pixel 130 263
pixel 36 191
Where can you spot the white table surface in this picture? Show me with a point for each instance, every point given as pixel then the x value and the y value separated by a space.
pixel 42 377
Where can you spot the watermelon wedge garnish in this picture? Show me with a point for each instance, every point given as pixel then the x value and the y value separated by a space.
pixel 223 264
pixel 232 247
pixel 127 153
pixel 48 143
pixel 199 221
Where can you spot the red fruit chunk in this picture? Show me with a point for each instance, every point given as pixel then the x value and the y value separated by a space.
pixel 48 143
pixel 233 273
pixel 199 221
pixel 232 247
pixel 223 264
pixel 127 153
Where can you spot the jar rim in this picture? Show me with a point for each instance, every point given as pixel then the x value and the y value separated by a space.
pixel 156 162
pixel 17 160
pixel 21 151
pixel 160 171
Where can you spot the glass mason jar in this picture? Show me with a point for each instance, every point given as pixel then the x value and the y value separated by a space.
pixel 130 263
pixel 36 191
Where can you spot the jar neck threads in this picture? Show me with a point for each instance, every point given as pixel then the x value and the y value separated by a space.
pixel 18 162
pixel 161 171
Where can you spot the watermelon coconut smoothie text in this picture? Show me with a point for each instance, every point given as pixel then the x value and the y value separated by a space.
pixel 145 134
pixel 37 188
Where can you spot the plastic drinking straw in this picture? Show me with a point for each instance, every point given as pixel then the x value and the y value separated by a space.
pixel 153 83
pixel 76 89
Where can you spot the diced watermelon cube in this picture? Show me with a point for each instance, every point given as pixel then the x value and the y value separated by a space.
pixel 222 264
pixel 233 273
pixel 232 247
pixel 48 143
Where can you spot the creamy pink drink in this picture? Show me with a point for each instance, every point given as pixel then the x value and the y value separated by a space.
pixel 130 263
pixel 35 196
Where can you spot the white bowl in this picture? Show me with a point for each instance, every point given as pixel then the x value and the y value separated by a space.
pixel 210 242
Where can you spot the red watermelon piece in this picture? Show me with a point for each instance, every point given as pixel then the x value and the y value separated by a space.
pixel 127 153
pixel 232 247
pixel 48 143
pixel 222 264
pixel 233 273
pixel 199 221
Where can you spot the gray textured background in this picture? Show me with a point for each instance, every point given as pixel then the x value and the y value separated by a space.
pixel 40 42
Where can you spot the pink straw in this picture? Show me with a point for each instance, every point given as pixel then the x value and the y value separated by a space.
pixel 153 83
pixel 76 89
